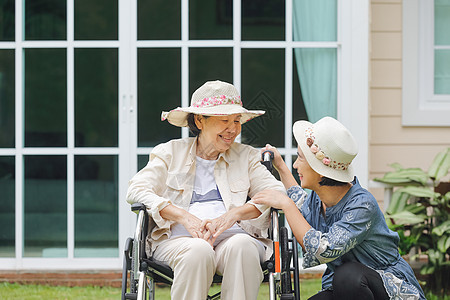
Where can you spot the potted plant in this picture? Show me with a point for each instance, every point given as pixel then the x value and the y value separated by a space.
pixel 419 211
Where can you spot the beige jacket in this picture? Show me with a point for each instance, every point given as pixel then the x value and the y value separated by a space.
pixel 168 178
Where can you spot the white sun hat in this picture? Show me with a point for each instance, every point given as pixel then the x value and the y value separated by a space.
pixel 214 98
pixel 328 147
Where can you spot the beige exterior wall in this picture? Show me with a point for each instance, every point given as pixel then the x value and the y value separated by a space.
pixel 389 141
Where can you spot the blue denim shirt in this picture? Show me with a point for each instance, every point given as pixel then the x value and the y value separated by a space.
pixel 354 230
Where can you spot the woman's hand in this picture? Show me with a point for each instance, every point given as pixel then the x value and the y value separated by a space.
pixel 278 161
pixel 217 226
pixel 286 176
pixel 272 198
pixel 193 225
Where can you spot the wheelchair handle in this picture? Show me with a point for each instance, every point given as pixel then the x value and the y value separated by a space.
pixel 267 157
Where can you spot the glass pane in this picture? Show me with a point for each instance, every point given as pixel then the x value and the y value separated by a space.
pixel 45 98
pixel 263 88
pixel 317 72
pixel 96 19
pixel 442 71
pixel 314 20
pixel 45 20
pixel 298 106
pixel 7 203
pixel 96 96
pixel 204 65
pixel 210 19
pixel 142 161
pixel 45 206
pixel 7 98
pixel 263 22
pixel 7 20
pixel 96 206
pixel 441 22
pixel 159 20
pixel 159 89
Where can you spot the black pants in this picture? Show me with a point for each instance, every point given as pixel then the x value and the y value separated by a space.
pixel 354 280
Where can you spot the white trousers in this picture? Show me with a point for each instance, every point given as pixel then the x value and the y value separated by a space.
pixel 195 262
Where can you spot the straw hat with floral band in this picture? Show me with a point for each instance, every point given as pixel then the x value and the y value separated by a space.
pixel 328 147
pixel 214 98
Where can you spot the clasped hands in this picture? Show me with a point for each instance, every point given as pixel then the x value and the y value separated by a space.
pixel 208 229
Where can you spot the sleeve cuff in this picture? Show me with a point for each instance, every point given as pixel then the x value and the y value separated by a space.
pixel 297 194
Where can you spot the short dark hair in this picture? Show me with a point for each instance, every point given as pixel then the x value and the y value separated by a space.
pixel 191 124
pixel 331 182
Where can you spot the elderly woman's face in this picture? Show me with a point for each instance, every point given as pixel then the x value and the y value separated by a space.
pixel 218 132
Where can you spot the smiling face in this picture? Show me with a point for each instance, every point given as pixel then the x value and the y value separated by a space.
pixel 217 134
pixel 309 178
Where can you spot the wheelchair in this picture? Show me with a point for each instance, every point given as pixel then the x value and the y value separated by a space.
pixel 140 273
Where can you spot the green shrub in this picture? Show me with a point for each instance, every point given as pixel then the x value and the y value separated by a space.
pixel 419 212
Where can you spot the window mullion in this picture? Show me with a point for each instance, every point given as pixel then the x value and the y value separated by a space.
pixel 19 125
pixel 70 131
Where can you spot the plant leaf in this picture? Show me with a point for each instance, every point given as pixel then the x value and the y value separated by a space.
pixel 407 218
pixel 427 269
pixel 441 229
pixel 416 208
pixel 440 165
pixel 396 166
pixel 443 244
pixel 405 176
pixel 419 191
pixel 398 202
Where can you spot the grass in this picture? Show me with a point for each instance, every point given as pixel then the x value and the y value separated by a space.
pixel 308 287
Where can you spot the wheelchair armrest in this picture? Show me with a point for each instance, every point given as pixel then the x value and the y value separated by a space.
pixel 136 207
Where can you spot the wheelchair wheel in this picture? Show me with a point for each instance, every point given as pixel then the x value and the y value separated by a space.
pixel 142 287
pixel 126 268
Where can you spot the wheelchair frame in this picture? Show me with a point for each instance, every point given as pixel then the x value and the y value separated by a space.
pixel 140 273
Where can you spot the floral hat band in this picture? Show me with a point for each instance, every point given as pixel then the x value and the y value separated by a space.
pixel 320 154
pixel 214 98
pixel 217 100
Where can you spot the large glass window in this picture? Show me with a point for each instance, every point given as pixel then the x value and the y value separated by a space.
pixel 96 206
pixel 263 88
pixel 45 206
pixel 82 87
pixel 205 65
pixel 263 22
pixel 96 97
pixel 45 98
pixel 441 47
pixel 210 19
pixel 45 19
pixel 426 63
pixel 159 20
pixel 7 204
pixel 159 88
pixel 7 97
pixel 96 20
pixel 7 19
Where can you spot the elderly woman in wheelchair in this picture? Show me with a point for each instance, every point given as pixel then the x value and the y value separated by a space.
pixel 195 191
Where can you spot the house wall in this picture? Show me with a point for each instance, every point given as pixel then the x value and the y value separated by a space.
pixel 389 141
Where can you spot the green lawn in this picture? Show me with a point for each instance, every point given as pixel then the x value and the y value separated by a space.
pixel 15 291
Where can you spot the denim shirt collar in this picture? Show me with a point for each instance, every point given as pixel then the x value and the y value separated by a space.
pixel 332 210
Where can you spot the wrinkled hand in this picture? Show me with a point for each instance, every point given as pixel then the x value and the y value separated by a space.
pixel 196 227
pixel 275 199
pixel 217 226
pixel 277 159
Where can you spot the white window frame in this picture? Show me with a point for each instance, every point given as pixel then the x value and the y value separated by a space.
pixel 421 107
pixel 352 57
